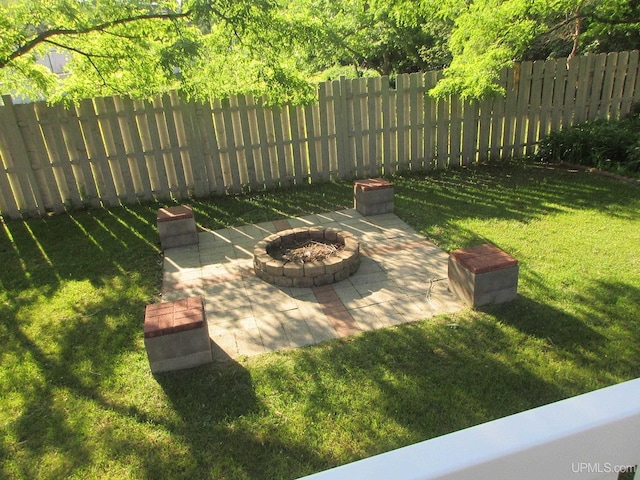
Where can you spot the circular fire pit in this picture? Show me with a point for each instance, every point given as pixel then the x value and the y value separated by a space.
pixel 308 256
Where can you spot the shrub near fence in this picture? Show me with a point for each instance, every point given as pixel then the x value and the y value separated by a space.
pixel 108 151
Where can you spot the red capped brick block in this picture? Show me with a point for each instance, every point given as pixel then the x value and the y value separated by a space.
pixel 483 275
pixel 176 335
pixel 176 226
pixel 372 184
pixel 373 196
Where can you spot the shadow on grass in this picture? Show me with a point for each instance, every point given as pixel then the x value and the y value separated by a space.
pixel 77 397
pixel 394 387
pixel 601 332
pixel 91 245
pixel 230 431
pixel 215 213
pixel 72 293
pixel 433 203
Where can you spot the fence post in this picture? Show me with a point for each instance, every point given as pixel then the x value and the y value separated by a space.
pixel 343 126
pixel 16 159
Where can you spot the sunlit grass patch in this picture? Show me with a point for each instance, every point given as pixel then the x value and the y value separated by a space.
pixel 77 399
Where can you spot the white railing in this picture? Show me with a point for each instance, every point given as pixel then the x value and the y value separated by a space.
pixel 591 436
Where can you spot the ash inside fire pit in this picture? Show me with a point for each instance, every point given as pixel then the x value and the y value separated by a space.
pixel 306 257
pixel 307 251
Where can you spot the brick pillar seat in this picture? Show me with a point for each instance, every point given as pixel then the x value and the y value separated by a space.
pixel 483 275
pixel 373 196
pixel 176 226
pixel 176 335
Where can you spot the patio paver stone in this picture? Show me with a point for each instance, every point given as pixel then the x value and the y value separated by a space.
pixel 402 278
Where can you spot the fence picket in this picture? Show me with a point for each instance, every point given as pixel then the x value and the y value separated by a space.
pixel 358 92
pixel 210 150
pixel 232 176
pixel 470 131
pixel 311 115
pixel 416 122
pixel 618 85
pixel 37 152
pixel 535 106
pixel 150 140
pixel 484 129
pixel 430 108
pixel 595 108
pixel 560 85
pixel 630 83
pixel 246 109
pixel 8 203
pixel 94 143
pixel 522 108
pixel 113 144
pixel 173 161
pixel 403 140
pixel 50 120
pixel 379 148
pixel 191 150
pixel 344 160
pixel 442 135
pixel 548 84
pixel 185 156
pixel 12 149
pixel 325 99
pixel 570 93
pixel 133 147
pixel 585 69
pixel 265 149
pixel 281 157
pixel 162 157
pixel 510 113
pixel 455 132
pixel 296 114
pixel 607 85
pixel 80 162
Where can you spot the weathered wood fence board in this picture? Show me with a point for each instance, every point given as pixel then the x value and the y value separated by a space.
pixel 109 151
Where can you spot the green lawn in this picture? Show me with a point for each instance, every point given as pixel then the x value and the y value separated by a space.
pixel 77 399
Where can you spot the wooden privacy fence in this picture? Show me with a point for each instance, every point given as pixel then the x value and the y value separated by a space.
pixel 108 151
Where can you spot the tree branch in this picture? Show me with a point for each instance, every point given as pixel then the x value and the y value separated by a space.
pixel 89 57
pixel 46 35
pixel 73 49
pixel 576 33
pixel 611 21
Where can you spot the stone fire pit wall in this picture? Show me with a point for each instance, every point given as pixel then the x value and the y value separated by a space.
pixel 334 268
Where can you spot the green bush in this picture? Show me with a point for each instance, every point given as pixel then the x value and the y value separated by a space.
pixel 612 145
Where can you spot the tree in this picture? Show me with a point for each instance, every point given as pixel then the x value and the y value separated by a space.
pixel 201 47
pixel 274 48
pixel 367 36
pixel 489 35
pixel 208 47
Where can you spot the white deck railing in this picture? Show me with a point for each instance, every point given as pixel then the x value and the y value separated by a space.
pixel 591 436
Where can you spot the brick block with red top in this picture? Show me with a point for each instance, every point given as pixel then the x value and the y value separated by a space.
pixel 373 196
pixel 483 275
pixel 176 335
pixel 177 226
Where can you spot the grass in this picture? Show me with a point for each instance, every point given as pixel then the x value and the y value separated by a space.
pixel 77 399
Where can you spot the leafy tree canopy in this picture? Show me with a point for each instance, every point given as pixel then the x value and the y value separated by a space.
pixel 204 48
pixel 274 48
pixel 489 35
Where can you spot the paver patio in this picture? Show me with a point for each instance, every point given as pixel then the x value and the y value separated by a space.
pixel 402 278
